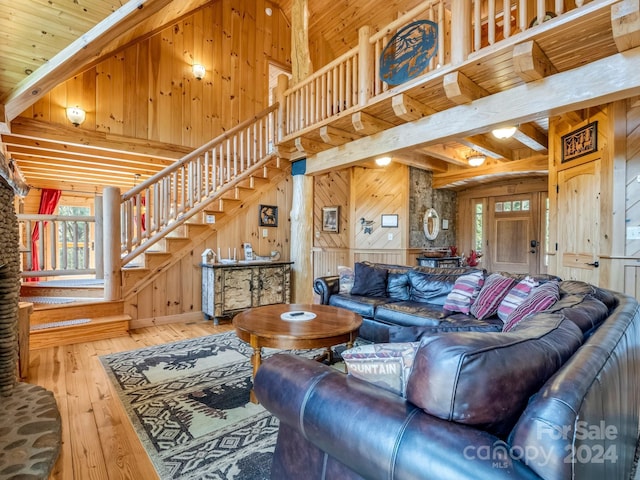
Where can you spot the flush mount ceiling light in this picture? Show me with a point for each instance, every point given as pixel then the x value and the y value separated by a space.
pixel 268 11
pixel 198 71
pixel 76 115
pixel 383 161
pixel 504 132
pixel 476 159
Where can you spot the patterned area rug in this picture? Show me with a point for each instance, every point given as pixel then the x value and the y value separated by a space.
pixel 189 403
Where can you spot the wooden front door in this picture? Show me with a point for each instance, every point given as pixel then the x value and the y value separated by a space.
pixel 513 237
pixel 579 220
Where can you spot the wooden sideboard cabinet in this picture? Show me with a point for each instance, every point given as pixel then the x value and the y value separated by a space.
pixel 230 288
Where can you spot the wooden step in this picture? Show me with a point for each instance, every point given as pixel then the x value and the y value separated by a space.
pixel 153 260
pixel 98 328
pixel 132 276
pixel 71 311
pixel 41 289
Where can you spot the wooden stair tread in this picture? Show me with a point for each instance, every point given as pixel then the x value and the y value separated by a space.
pixel 98 328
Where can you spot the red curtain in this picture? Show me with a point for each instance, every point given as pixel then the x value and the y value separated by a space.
pixel 48 202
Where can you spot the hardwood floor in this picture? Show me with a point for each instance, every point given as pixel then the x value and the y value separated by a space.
pixel 98 442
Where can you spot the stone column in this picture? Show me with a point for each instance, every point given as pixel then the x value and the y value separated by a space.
pixel 9 289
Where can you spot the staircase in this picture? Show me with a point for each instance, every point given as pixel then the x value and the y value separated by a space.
pixel 66 312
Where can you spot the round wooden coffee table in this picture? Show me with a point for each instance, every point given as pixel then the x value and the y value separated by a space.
pixel 264 327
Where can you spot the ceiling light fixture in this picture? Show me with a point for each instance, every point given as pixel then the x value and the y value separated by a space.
pixel 383 161
pixel 76 115
pixel 504 132
pixel 476 159
pixel 268 11
pixel 198 71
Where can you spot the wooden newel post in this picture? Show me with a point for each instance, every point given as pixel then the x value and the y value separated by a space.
pixel 365 66
pixel 99 237
pixel 111 228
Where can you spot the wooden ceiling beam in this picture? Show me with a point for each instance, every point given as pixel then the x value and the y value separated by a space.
pixel 530 166
pixel 79 53
pixel 531 63
pixel 409 109
pixel 335 136
pixel 533 138
pixel 309 146
pixel 461 89
pixel 28 127
pixel 486 145
pixel 625 23
pixel 365 124
pixel 424 162
pixel 445 153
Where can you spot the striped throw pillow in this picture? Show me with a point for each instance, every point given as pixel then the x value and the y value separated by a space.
pixel 515 297
pixel 464 292
pixel 495 288
pixel 541 298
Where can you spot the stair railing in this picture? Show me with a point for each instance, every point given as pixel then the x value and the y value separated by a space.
pixel 168 199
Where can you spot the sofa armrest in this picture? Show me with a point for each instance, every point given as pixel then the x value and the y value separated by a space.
pixel 373 432
pixel 325 287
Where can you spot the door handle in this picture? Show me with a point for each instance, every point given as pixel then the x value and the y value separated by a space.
pixel 595 264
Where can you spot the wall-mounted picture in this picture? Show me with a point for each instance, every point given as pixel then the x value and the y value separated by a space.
pixel 330 219
pixel 268 215
pixel 389 221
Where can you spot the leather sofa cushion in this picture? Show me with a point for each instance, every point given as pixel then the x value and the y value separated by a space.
pixel 485 379
pixel 369 281
pixel 363 306
pixel 431 288
pixel 398 285
pixel 410 313
pixel 586 311
pixel 454 323
pixel 575 287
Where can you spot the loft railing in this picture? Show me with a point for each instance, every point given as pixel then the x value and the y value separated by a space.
pixel 165 201
pixel 353 80
pixel 66 245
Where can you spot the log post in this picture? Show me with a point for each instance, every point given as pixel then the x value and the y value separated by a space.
pixel 302 234
pixel 99 237
pixel 278 94
pixel 460 22
pixel 365 66
pixel 111 228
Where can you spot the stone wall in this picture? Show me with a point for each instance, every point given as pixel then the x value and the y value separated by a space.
pixel 9 289
pixel 423 196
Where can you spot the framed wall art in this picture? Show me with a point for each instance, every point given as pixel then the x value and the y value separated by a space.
pixel 580 142
pixel 389 221
pixel 268 215
pixel 330 219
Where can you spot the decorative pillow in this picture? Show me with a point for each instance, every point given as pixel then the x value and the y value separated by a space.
pixel 346 278
pixel 495 288
pixel 386 365
pixel 516 296
pixel 540 298
pixel 464 293
pixel 369 281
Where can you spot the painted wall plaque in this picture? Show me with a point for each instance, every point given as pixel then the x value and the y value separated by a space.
pixel 407 54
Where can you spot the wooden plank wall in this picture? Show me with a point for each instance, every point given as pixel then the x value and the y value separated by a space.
pixel 178 290
pixel 147 90
pixel 632 197
pixel 361 192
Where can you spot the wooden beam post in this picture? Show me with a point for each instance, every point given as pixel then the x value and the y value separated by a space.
pixel 283 84
pixel 98 237
pixel 302 238
pixel 112 272
pixel 300 58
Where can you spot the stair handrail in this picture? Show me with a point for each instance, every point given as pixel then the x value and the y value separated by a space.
pixel 188 186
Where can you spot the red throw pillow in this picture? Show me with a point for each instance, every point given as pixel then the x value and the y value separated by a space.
pixel 495 288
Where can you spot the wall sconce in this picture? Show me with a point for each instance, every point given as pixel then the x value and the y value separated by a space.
pixel 76 115
pixel 504 133
pixel 383 161
pixel 198 71
pixel 476 159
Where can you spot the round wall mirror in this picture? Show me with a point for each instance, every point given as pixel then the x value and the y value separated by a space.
pixel 431 224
